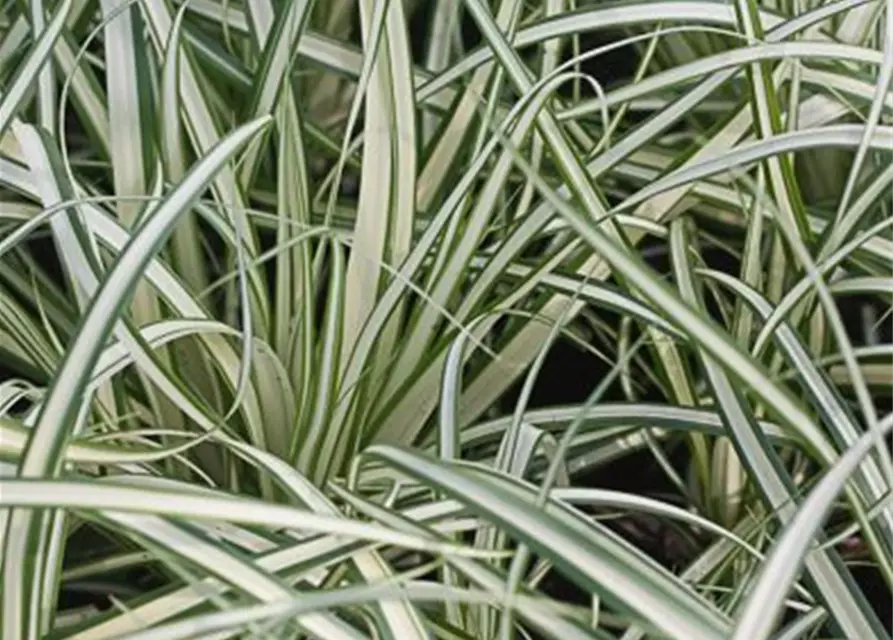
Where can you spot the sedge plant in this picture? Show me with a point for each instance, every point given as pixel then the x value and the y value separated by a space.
pixel 279 282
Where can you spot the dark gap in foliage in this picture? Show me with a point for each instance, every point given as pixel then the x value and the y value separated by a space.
pixel 471 35
pixel 610 68
pixel 876 590
pixel 215 251
pixel 89 543
pixel 43 249
pixel 420 28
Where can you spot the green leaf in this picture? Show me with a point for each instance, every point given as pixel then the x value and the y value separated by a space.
pixel 596 561
pixel 64 405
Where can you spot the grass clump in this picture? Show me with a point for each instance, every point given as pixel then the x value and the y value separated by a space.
pixel 441 319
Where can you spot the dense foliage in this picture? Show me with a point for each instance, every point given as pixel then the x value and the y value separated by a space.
pixel 437 318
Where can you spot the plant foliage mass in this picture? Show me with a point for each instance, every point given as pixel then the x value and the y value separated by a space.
pixel 454 319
